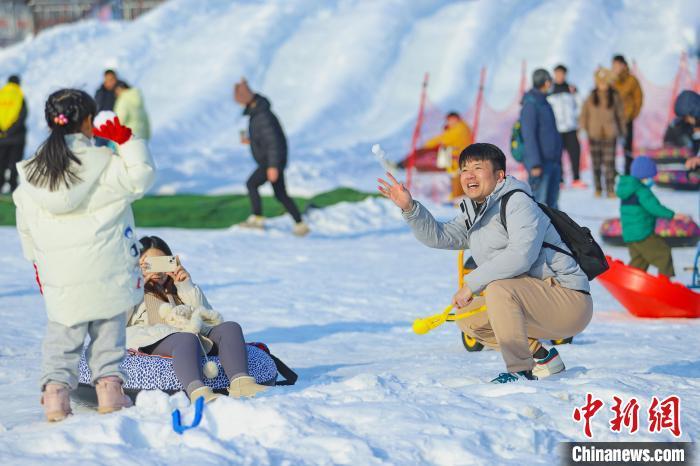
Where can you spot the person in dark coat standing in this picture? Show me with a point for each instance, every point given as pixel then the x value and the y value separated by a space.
pixel 564 99
pixel 13 107
pixel 542 141
pixel 104 96
pixel 269 147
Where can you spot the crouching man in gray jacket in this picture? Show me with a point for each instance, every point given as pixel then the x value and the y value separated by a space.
pixel 531 291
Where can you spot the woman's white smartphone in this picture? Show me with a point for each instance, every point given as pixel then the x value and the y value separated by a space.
pixel 161 264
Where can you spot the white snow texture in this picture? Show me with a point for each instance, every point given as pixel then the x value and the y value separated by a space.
pixel 338 305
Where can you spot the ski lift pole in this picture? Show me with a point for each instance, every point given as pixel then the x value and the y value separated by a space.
pixel 416 132
pixel 522 173
pixel 479 102
pixel 523 79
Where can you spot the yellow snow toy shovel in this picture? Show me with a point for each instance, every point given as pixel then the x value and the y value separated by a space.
pixel 426 324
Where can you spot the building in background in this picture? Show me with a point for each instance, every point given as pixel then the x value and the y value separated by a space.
pixel 22 18
pixel 16 21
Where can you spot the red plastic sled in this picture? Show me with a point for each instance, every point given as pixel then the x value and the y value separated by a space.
pixel 645 295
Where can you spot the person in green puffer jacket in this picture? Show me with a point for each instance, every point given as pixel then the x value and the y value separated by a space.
pixel 639 210
pixel 131 110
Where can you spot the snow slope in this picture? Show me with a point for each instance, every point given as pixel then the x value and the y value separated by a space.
pixel 342 75
pixel 337 306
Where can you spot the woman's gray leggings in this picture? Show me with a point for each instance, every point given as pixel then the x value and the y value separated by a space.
pixel 186 352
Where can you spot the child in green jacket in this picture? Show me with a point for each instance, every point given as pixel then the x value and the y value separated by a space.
pixel 639 210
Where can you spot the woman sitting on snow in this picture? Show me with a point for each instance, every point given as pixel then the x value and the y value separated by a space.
pixel 176 320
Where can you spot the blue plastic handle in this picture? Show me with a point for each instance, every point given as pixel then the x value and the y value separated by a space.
pixel 198 409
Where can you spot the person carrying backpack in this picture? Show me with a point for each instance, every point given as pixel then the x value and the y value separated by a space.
pixel 542 143
pixel 526 274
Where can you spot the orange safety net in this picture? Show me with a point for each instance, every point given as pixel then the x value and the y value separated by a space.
pixel 494 125
pixel 657 109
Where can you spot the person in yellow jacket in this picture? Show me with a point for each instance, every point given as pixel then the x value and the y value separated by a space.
pixel 13 130
pixel 454 139
pixel 131 110
pixel 632 97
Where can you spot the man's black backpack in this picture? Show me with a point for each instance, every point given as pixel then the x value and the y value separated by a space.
pixel 578 239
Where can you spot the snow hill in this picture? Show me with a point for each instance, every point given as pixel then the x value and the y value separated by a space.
pixel 342 75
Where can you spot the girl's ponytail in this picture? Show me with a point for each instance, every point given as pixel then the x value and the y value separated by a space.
pixel 65 112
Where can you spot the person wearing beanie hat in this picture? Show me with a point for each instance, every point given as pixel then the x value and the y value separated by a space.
pixel 632 98
pixel 269 147
pixel 602 117
pixel 542 143
pixel 639 209
pixel 684 130
pixel 643 167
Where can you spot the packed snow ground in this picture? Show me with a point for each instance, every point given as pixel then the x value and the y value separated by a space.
pixel 341 75
pixel 337 306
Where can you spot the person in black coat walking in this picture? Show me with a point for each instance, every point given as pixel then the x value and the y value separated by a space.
pixel 13 139
pixel 269 147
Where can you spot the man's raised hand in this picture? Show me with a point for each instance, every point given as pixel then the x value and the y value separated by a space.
pixel 395 191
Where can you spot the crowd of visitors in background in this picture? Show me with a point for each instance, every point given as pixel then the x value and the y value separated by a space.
pixel 552 114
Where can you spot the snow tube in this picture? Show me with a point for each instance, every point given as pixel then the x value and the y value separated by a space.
pixel 425 161
pixel 678 179
pixel 645 295
pixel 147 372
pixel 666 155
pixel 676 233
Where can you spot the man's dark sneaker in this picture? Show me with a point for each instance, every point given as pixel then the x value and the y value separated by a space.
pixel 507 377
pixel 549 365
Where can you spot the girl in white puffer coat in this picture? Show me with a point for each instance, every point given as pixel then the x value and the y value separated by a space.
pixel 76 225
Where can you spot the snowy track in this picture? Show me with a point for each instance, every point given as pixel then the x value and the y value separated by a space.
pixel 341 75
pixel 337 306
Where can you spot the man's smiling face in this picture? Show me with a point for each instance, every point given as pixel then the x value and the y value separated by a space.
pixel 479 179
